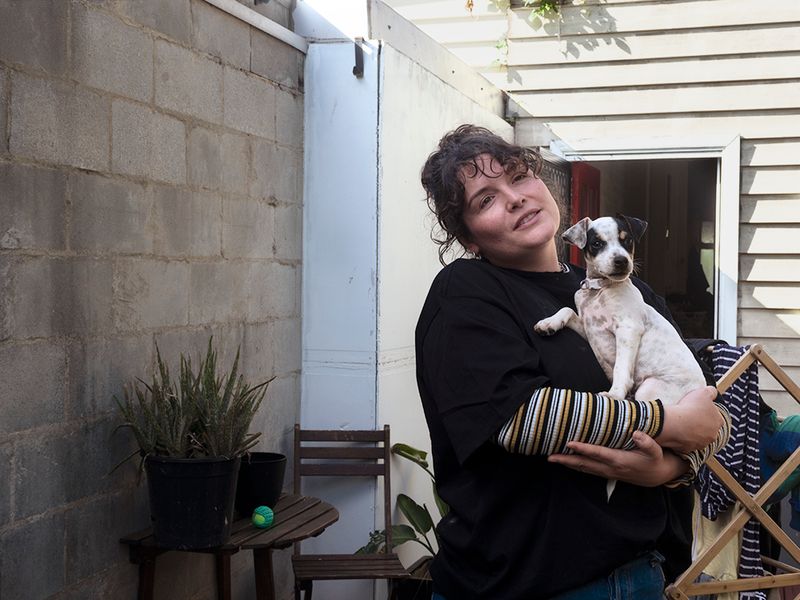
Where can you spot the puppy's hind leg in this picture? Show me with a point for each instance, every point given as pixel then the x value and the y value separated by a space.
pixel 565 317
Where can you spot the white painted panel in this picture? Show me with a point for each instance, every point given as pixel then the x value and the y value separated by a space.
pixel 763 180
pixel 717 98
pixel 771 152
pixel 667 44
pixel 785 352
pixel 767 382
pixel 605 20
pixel 759 295
pixel 644 73
pixel 340 279
pixel 761 125
pixel 781 402
pixel 769 239
pixel 770 209
pixel 770 268
pixel 763 323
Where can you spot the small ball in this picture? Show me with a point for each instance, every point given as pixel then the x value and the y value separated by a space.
pixel 262 517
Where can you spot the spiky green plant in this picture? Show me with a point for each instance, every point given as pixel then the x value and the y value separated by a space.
pixel 204 415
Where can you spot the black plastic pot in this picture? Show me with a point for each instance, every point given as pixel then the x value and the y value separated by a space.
pixel 191 500
pixel 260 481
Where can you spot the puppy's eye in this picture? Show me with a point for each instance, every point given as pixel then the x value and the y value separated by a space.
pixel 597 244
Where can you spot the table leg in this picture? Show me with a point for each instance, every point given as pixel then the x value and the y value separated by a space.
pixel 265 580
pixel 147 578
pixel 223 560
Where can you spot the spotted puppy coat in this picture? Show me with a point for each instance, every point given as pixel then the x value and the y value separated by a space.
pixel 638 349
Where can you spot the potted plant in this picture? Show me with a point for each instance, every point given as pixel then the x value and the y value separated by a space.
pixel 419 585
pixel 191 435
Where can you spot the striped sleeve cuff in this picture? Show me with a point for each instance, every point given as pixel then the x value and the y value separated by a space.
pixel 697 458
pixel 554 416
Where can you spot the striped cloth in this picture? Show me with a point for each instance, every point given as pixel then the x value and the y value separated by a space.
pixel 740 456
pixel 554 416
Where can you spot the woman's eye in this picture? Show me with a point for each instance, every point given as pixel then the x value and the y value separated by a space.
pixel 519 177
pixel 486 201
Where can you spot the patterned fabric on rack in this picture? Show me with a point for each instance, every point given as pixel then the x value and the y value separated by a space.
pixel 740 457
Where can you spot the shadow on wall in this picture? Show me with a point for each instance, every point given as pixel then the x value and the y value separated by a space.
pixel 579 28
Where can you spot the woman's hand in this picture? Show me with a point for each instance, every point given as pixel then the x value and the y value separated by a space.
pixel 693 423
pixel 646 465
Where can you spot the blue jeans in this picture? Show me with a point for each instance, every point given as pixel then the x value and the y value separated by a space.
pixel 640 579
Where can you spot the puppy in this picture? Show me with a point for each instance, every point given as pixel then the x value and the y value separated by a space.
pixel 638 349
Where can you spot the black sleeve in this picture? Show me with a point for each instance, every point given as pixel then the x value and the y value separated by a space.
pixel 478 367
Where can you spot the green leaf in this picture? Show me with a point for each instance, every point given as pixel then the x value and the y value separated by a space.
pixel 418 516
pixel 402 534
pixel 410 453
pixel 440 504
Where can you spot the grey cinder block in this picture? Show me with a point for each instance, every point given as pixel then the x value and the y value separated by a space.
pixel 111 55
pixel 188 82
pixel 150 293
pixel 286 345
pixel 220 34
pixel 249 104
pixel 277 60
pixel 275 172
pixel 218 292
pixel 247 228
pixel 3 110
pixel 273 291
pixel 5 475
pixel 98 369
pixel 290 119
pixel 23 552
pixel 172 18
pixel 110 215
pixel 34 202
pixel 218 161
pixel 34 34
pixel 34 377
pixel 59 122
pixel 147 143
pixel 288 232
pixel 46 297
pixel 187 223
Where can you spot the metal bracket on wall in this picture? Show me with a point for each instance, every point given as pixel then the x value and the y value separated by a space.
pixel 358 69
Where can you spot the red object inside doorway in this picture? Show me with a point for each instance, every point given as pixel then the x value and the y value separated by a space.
pixel 584 201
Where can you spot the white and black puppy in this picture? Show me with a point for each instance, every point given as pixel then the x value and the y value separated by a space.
pixel 638 349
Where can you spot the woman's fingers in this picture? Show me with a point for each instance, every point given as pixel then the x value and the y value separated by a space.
pixel 645 465
pixel 693 423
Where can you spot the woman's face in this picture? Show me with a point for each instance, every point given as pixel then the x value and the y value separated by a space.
pixel 511 217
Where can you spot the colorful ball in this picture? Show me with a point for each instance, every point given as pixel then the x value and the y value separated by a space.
pixel 262 517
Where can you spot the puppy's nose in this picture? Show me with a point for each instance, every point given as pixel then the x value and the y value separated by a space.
pixel 621 262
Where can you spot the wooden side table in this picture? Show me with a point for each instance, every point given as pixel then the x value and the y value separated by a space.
pixel 296 518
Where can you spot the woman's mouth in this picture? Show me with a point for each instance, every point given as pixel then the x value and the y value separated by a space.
pixel 526 218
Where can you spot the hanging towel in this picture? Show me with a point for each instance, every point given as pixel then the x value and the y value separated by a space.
pixel 740 456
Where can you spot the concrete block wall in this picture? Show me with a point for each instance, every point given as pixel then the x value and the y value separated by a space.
pixel 150 191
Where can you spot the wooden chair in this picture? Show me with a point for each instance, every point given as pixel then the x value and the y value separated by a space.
pixel 747 506
pixel 350 454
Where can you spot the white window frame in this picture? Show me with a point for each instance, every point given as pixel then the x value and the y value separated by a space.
pixel 726 247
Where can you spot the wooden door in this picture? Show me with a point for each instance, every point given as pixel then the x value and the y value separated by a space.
pixel 584 201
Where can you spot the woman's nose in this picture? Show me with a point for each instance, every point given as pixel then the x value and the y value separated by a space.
pixel 515 200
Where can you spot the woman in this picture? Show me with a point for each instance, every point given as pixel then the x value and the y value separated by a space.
pixel 522 444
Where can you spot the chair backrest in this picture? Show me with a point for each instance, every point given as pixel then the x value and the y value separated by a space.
pixel 341 453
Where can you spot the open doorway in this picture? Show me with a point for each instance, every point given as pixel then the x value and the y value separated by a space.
pixel 678 199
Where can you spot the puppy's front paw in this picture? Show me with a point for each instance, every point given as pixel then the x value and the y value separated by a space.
pixel 547 327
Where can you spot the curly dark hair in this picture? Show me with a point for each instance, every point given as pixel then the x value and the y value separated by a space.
pixel 442 176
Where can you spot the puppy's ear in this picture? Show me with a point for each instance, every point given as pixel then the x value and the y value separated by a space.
pixel 637 226
pixel 576 235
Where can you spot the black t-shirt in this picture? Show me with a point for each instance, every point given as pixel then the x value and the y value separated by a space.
pixel 519 527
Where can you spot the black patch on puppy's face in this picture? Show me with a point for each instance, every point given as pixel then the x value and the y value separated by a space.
pixel 594 243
